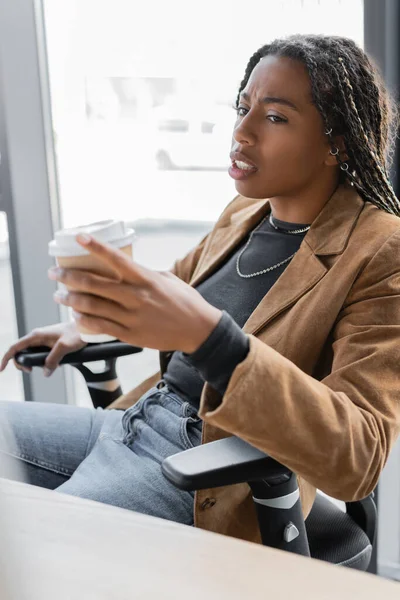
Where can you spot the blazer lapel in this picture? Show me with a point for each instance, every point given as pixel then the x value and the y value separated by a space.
pixel 302 273
pixel 225 238
pixel 328 235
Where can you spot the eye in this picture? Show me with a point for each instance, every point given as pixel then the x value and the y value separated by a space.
pixel 241 111
pixel 278 119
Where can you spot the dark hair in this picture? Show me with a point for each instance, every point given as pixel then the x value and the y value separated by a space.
pixel 351 97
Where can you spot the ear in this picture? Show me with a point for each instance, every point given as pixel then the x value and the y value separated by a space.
pixel 338 142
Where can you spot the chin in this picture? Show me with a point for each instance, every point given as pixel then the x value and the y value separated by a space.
pixel 246 189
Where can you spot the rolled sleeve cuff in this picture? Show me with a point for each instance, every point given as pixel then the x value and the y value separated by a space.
pixel 216 359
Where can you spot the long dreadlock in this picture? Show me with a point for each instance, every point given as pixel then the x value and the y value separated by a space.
pixel 351 97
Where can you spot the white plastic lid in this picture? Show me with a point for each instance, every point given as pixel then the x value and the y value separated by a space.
pixel 110 231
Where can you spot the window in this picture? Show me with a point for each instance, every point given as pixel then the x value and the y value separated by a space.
pixel 178 125
pixel 11 378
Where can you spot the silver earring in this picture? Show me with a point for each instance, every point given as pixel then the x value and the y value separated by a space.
pixel 344 167
pixel 328 132
pixel 334 153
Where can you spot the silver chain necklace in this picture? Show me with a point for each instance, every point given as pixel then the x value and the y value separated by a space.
pixel 292 232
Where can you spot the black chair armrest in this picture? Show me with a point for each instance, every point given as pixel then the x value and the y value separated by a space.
pixel 220 463
pixel 35 356
pixel 274 487
pixel 104 386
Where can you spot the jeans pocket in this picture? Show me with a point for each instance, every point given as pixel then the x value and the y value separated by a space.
pixel 191 428
pixel 129 420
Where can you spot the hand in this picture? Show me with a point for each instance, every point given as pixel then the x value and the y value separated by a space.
pixel 141 307
pixel 62 338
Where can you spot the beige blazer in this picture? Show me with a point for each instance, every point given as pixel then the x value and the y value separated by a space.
pixel 320 388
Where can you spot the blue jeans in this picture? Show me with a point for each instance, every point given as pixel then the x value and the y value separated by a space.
pixel 111 456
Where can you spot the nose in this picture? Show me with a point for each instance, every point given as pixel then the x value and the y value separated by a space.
pixel 243 133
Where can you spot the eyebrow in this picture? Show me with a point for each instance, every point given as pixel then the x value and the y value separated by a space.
pixel 272 100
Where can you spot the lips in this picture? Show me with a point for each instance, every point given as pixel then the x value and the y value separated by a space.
pixel 242 167
pixel 244 162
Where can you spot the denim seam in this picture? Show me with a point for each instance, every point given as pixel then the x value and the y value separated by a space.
pixel 90 435
pixel 168 395
pixel 128 427
pixel 162 401
pixel 40 463
pixel 107 436
pixel 119 442
pixel 126 440
pixel 133 410
pixel 184 434
pixel 145 418
pixel 164 396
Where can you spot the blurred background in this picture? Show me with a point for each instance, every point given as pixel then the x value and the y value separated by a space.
pixel 141 114
pixel 120 109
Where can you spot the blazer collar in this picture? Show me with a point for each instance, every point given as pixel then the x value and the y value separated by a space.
pixel 331 229
pixel 328 234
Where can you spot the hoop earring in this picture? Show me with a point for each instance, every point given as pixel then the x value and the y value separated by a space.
pixel 328 132
pixel 344 167
pixel 334 153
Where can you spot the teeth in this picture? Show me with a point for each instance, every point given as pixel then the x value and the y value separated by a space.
pixel 242 165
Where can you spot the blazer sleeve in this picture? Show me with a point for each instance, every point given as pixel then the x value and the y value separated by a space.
pixel 336 433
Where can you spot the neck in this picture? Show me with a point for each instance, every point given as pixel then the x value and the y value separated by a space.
pixel 303 206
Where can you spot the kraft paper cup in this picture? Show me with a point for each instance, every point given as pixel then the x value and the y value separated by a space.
pixel 71 255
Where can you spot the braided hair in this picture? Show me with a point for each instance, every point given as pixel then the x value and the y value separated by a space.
pixel 351 97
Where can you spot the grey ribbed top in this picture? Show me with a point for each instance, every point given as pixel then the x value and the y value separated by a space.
pixel 227 345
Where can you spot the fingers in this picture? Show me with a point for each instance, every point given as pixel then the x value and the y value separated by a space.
pixel 98 325
pixel 23 343
pixel 54 358
pixel 95 306
pixel 125 268
pixel 113 257
pixel 21 367
pixel 90 283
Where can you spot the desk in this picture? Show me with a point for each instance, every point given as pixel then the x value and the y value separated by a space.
pixel 71 548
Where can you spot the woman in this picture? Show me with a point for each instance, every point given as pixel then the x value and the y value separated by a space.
pixel 281 327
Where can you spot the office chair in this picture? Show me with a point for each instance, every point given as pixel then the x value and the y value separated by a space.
pixel 329 534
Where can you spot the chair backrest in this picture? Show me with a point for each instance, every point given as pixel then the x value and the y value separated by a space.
pixel 339 537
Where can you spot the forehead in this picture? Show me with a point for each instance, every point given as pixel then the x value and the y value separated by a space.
pixel 279 76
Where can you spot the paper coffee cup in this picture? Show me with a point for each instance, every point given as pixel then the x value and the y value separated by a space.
pixel 69 254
